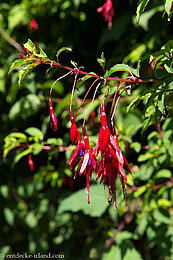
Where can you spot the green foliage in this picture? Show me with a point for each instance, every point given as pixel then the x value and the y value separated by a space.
pixel 46 210
pixel 98 202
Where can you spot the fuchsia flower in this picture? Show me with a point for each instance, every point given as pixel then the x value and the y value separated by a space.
pixel 30 162
pixel 88 161
pixel 73 129
pixel 104 134
pixel 34 25
pixel 112 161
pixel 53 119
pixel 78 152
pixel 108 12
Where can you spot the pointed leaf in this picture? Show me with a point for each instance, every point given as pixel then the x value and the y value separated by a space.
pixel 122 67
pixel 61 50
pixel 78 202
pixel 19 155
pixel 33 131
pixel 29 45
pixel 23 73
pixel 102 61
pixel 18 63
pixel 168 6
pixel 141 7
pixel 82 80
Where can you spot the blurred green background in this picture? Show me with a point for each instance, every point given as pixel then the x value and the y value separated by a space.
pixel 46 211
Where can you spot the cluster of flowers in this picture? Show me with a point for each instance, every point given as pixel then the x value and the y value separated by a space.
pixel 112 159
pixel 85 159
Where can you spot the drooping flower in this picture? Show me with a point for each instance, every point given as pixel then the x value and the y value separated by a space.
pixel 85 157
pixel 78 152
pixel 73 129
pixel 108 12
pixel 104 134
pixel 34 25
pixel 111 166
pixel 30 162
pixel 53 119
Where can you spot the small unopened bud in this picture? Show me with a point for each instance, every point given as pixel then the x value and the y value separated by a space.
pixel 30 162
pixel 73 129
pixel 53 119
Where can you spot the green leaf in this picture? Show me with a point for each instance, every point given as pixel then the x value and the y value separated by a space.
pixel 168 6
pixel 61 50
pixel 164 173
pixel 142 224
pixel 141 7
pixel 163 203
pixel 29 45
pixel 9 216
pixel 144 173
pixel 17 13
pixel 18 63
pixel 145 157
pixel 20 136
pixel 161 218
pixel 136 146
pixel 122 67
pixel 33 131
pixel 123 235
pixel 27 70
pixel 132 254
pixel 31 220
pixel 20 155
pixel 140 191
pixel 78 202
pixel 4 250
pixel 113 253
pixel 40 53
pixel 82 80
pixel 4 190
pixel 24 107
pixel 37 148
pixel 102 61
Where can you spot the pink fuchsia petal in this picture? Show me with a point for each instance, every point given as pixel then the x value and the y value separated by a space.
pixel 85 162
pixel 88 172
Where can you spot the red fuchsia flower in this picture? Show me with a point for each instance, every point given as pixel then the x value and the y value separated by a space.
pixel 30 162
pixel 34 25
pixel 108 170
pixel 73 129
pixel 108 12
pixel 111 165
pixel 104 134
pixel 78 152
pixel 53 119
pixel 88 161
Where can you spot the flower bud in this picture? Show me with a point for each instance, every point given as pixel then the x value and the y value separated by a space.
pixel 53 119
pixel 30 162
pixel 73 130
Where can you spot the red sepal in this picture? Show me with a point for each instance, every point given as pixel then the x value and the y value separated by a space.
pixel 53 119
pixel 30 162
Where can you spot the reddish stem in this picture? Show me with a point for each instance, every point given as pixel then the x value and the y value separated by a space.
pixel 128 79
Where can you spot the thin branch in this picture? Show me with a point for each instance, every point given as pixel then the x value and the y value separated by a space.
pixel 11 41
pixel 128 79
